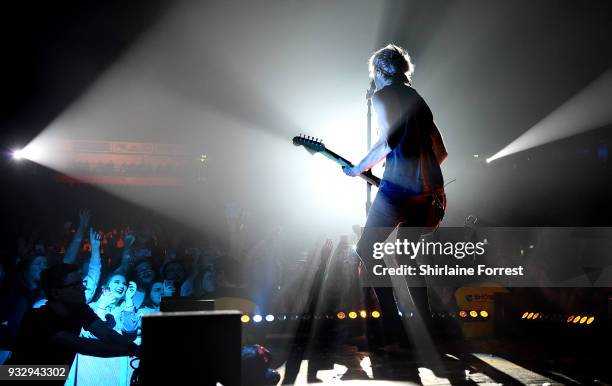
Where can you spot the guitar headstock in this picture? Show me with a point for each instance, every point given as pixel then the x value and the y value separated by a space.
pixel 310 143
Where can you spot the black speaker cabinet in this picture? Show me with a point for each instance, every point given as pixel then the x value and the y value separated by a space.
pixel 182 304
pixel 191 348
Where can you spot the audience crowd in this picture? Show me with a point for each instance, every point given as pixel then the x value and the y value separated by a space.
pixel 127 270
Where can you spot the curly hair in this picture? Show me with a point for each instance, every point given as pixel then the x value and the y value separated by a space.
pixel 393 62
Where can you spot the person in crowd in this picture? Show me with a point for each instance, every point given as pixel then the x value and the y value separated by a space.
pixel 200 281
pixel 22 292
pixel 153 300
pixel 115 305
pixel 50 334
pixel 174 271
pixel 150 304
pixel 208 282
pixel 229 280
pixel 144 276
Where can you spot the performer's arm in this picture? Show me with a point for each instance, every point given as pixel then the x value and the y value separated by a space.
pixel 381 148
pixel 438 145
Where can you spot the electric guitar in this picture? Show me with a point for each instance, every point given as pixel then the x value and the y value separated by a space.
pixel 314 145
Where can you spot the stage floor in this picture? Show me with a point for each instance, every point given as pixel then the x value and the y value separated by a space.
pixel 456 363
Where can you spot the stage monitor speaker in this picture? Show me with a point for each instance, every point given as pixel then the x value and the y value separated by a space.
pixel 191 348
pixel 183 304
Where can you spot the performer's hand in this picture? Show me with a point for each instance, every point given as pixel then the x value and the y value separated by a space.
pixel 351 171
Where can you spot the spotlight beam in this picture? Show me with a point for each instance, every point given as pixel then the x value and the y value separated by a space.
pixel 587 110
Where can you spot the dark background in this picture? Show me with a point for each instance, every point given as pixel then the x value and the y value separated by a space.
pixel 525 60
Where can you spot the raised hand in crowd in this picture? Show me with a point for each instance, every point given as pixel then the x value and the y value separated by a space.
pixel 84 217
pixel 95 266
pixel 107 298
pixel 169 288
pixel 128 254
pixel 129 240
pixel 72 251
pixel 129 295
pixel 95 239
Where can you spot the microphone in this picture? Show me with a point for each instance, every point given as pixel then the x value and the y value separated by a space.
pixel 371 90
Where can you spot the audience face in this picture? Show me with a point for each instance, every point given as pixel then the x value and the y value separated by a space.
pixel 208 281
pixel 174 272
pixel 38 265
pixel 90 289
pixel 144 273
pixel 157 290
pixel 73 291
pixel 117 285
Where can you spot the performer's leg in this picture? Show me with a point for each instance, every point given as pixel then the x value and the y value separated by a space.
pixel 422 218
pixel 382 219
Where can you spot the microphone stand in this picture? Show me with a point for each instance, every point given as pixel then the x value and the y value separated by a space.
pixel 369 93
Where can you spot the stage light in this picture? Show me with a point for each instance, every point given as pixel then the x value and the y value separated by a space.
pixel 536 315
pixel 590 320
pixel 257 318
pixel 530 315
pixel 587 110
pixel 31 152
pixel 462 314
pixel 570 318
pixel 375 314
pixel 245 319
pixel 473 314
pixel 484 314
pixel 17 154
pixel 577 319
pixel 352 315
pixel 269 318
pixel 363 314
pixel 476 156
pixel 583 319
pixel 341 315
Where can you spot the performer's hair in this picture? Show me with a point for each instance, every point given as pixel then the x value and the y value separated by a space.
pixel 393 62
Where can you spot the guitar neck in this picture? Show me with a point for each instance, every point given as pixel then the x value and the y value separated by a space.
pixel 368 176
